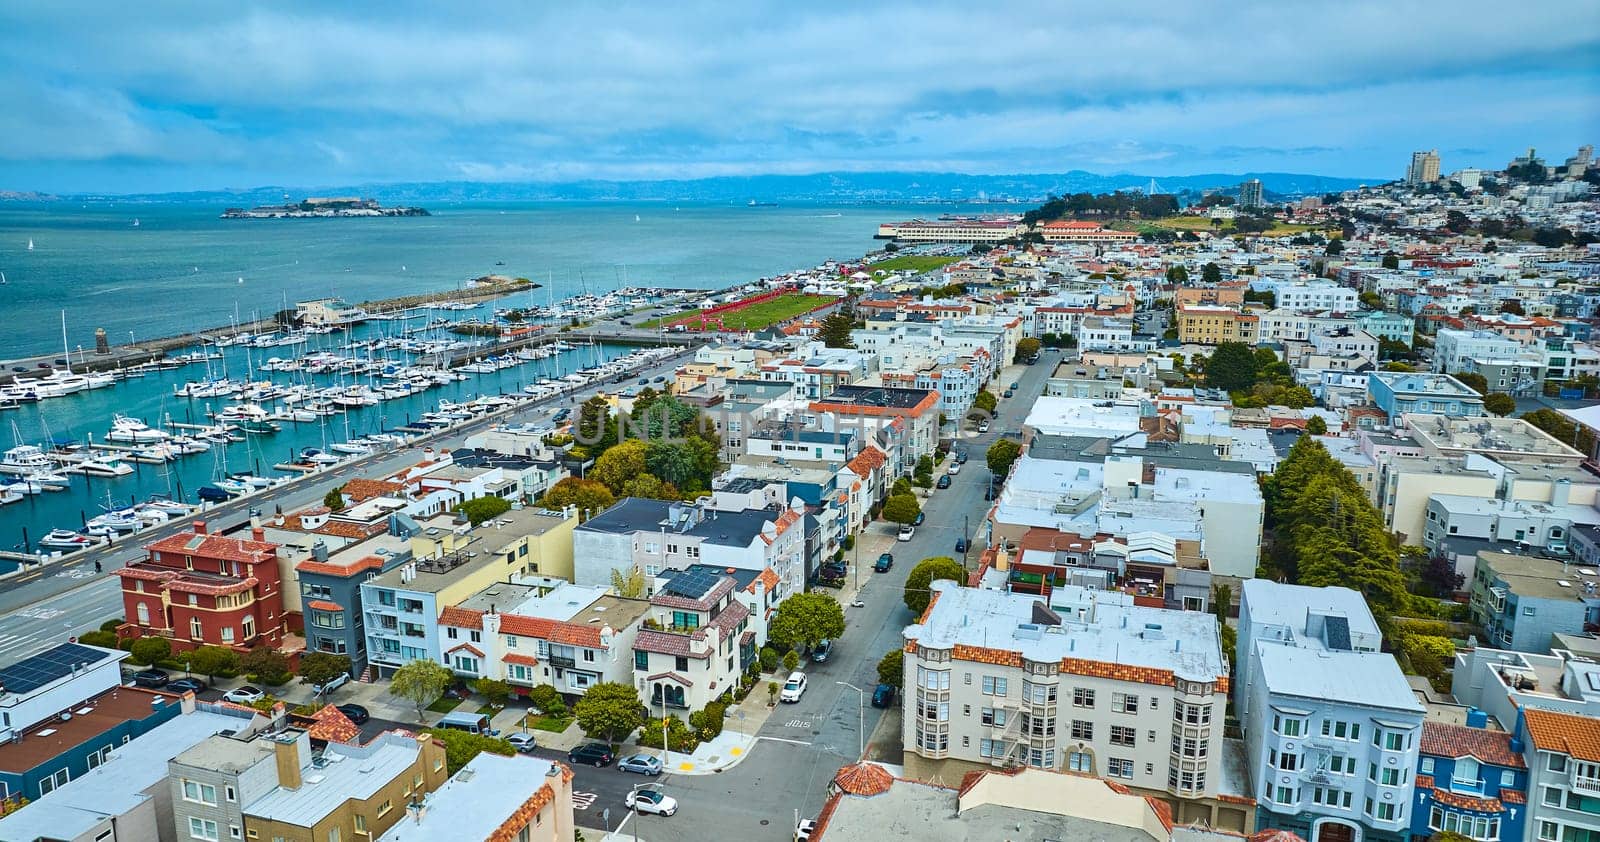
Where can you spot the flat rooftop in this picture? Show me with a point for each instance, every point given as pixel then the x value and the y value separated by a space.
pixel 1278 604
pixel 913 810
pixel 1504 435
pixel 1362 678
pixel 90 719
pixel 360 775
pixel 1082 417
pixel 882 397
pixel 1543 578
pixel 1112 629
pixel 475 801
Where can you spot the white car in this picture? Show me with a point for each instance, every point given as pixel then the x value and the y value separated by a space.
pixel 906 532
pixel 649 800
pixel 803 830
pixel 793 688
pixel 245 695
pixel 955 468
pixel 983 426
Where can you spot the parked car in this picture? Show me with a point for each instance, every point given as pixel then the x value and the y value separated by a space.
pixel 803 830
pixel 188 684
pixel 355 713
pixel 651 801
pixel 823 649
pixel 593 754
pixel 961 545
pixel 885 562
pixel 245 695
pixel 333 684
pixel 793 688
pixel 883 696
pixel 644 381
pixel 955 468
pixel 1013 387
pixel 832 570
pixel 524 743
pixel 151 678
pixel 641 764
pixel 983 426
pixel 905 533
pixel 988 493
pixel 921 516
pixel 961 457
pixel 944 482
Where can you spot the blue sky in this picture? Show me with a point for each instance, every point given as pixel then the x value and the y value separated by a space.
pixel 180 96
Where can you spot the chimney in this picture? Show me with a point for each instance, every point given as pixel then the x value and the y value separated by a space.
pixel 199 527
pixel 286 752
pixel 258 534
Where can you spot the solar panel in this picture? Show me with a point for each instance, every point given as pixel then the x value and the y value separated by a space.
pixel 32 673
pixel 691 583
pixel 1338 633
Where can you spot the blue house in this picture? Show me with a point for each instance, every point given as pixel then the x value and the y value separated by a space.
pixel 1470 780
pixel 1400 392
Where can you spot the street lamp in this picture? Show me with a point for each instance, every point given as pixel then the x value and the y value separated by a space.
pixel 861 718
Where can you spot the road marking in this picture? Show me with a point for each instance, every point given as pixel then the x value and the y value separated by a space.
pixel 783 740
pixel 797 723
pixel 37 613
pixel 583 800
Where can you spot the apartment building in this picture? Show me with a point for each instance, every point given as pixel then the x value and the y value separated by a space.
pixel 270 784
pixel 1505 440
pixel 1470 780
pixel 1203 325
pixel 1395 327
pixel 1073 231
pixel 696 642
pixel 330 570
pixel 490 800
pixel 1097 333
pixel 1332 730
pixel 1398 393
pixel 1315 297
pixel 570 636
pixel 1503 682
pixel 1283 325
pixel 1563 752
pixel 817 370
pixel 871 408
pixel 401 606
pixel 1522 601
pixel 199 588
pixel 950 230
pixel 1103 686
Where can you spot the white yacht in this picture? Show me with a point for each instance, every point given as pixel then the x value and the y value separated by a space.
pixel 66 539
pixel 104 464
pixel 24 459
pixel 133 431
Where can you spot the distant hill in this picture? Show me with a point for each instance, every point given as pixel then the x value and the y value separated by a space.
pixel 839 187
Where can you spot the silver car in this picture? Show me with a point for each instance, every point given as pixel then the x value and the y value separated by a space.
pixel 643 764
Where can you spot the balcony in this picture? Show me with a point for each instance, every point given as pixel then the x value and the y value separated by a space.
pixel 563 661
pixel 1586 784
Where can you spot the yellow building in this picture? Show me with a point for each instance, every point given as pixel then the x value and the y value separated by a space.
pixel 1209 325
pixel 526 541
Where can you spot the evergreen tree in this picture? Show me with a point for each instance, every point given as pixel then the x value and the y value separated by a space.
pixel 835 330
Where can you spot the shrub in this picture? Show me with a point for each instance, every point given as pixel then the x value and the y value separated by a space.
pixel 267 665
pixel 791 661
pixel 103 639
pixel 111 624
pixel 148 650
pixel 547 699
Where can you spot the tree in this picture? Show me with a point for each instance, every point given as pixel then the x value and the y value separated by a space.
pixel 1211 274
pixel 1232 367
pixel 629 583
pixel 595 430
pixel 1391 260
pixel 211 661
pixel 480 509
pixel 621 463
pixel 891 668
pixel 927 571
pixel 149 650
pixel 650 487
pixel 318 668
pixel 791 661
pixel 1316 426
pixel 901 486
pixel 1027 348
pixel 901 509
pixel 460 747
pixel 985 400
pixel 1439 576
pixel 420 682
pixel 1449 836
pixel 591 497
pixel 806 619
pixel 1001 455
pixel 674 462
pixel 497 692
pixel 1500 403
pixel 548 700
pixel 1177 275
pixel 1475 381
pixel 1562 429
pixel 1334 248
pixel 268 665
pixel 609 709
pixel 334 499
pixel 835 330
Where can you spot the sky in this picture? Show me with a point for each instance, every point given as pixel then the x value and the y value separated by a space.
pixel 159 96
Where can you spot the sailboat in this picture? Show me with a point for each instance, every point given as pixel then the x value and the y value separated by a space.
pixel 61 382
pixel 635 217
pixel 136 222
pixel 30 244
pixel 3 280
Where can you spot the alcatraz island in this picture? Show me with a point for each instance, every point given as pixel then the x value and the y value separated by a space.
pixel 320 208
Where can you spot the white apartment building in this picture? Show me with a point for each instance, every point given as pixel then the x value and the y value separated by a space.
pixel 1454 350
pixel 1098 333
pixel 1563 775
pixel 1282 325
pixel 1091 683
pixel 1332 730
pixel 1312 296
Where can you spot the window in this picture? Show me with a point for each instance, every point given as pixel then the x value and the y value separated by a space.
pixel 993 716
pixel 1552 796
pixel 1082 697
pixel 588 655
pixel 1557 763
pixel 233 831
pixel 202 828
pixel 360 823
pixel 1385 812
pixel 1427 766
pixel 196 630
pixel 334 835
pixel 1508 778
pixel 641 659
pixel 231 795
pixel 681 663
pixel 1549 831
pixel 1124 703
pixel 451 633
pixel 1288 762
pixel 384 808
pixel 199 792
pixel 993 686
pixel 933 679
pixel 1287 726
pixel 1123 735
pixel 1465 775
pixel 1082 730
pixel 1080 761
pixel 1286 795
pixel 144 612
pixel 247 628
pixel 1119 767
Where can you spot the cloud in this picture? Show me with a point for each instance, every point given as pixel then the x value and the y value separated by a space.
pixel 297 92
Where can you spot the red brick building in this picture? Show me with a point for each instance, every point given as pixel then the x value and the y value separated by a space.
pixel 198 588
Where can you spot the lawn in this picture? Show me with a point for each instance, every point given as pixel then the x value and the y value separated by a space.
pixel 444 704
pixel 553 724
pixel 913 262
pixel 758 316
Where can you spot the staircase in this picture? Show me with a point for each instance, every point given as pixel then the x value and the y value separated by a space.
pixel 368 674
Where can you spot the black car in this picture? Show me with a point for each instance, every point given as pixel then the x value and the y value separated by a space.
pixel 595 754
pixel 988 493
pixel 961 545
pixel 920 518
pixel 883 696
pixel 961 458
pixel 944 481
pixel 185 685
pixel 355 713
pixel 834 570
pixel 885 562
pixel 151 678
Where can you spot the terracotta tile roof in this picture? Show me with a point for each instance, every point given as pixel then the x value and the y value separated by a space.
pixel 324 605
pixel 1513 796
pixel 358 490
pixel 864 779
pixel 517 658
pixel 1467 802
pixel 1578 736
pixel 556 631
pixel 868 460
pixel 214 545
pixel 718 591
pixel 1445 740
pixel 672 675
pixel 666 643
pixel 463 618
pixel 522 817
pixel 333 726
pixel 467 646
pixel 354 568
pixel 768 579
